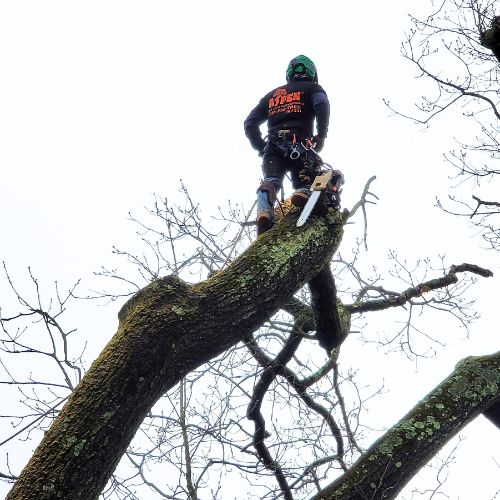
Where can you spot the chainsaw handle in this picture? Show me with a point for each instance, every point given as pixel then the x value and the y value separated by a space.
pixel 321 181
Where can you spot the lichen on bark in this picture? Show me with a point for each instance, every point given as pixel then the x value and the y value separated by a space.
pixel 395 457
pixel 166 330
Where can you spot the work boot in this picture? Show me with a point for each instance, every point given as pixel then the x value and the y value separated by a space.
pixel 299 199
pixel 264 222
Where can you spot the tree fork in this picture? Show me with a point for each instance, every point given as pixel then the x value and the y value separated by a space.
pixel 387 466
pixel 166 330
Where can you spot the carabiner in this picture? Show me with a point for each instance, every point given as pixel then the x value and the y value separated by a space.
pixel 294 154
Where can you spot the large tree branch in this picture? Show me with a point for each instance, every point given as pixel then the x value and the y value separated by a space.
pixel 398 455
pixel 397 300
pixel 166 330
pixel 331 327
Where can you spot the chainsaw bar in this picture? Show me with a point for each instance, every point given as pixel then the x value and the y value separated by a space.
pixel 306 211
pixel 320 184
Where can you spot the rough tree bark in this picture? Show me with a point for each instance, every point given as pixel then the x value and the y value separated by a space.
pixel 387 466
pixel 166 330
pixel 169 328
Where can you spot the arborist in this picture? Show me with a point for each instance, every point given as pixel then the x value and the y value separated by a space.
pixel 291 111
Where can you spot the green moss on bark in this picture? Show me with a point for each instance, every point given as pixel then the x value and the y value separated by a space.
pixel 165 330
pixel 398 455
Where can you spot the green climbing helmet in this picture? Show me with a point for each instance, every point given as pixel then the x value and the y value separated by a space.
pixel 301 67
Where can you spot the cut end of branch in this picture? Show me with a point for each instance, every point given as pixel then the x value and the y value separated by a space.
pixel 471 268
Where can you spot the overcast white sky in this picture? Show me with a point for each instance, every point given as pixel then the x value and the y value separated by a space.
pixel 103 103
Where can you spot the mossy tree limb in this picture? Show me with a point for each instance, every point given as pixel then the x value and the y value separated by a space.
pixel 166 330
pixel 387 466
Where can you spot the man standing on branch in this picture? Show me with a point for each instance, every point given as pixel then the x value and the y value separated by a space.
pixel 291 111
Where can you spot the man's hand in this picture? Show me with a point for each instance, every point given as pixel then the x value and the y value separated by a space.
pixel 319 142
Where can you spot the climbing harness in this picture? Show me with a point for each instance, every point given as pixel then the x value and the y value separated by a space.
pixel 288 144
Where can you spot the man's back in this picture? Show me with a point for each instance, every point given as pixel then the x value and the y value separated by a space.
pixel 294 105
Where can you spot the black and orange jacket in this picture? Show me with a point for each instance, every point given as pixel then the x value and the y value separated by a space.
pixel 293 106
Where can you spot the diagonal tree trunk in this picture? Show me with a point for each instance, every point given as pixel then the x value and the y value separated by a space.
pixel 387 466
pixel 169 328
pixel 166 330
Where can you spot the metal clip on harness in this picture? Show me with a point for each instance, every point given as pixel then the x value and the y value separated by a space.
pixel 294 154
